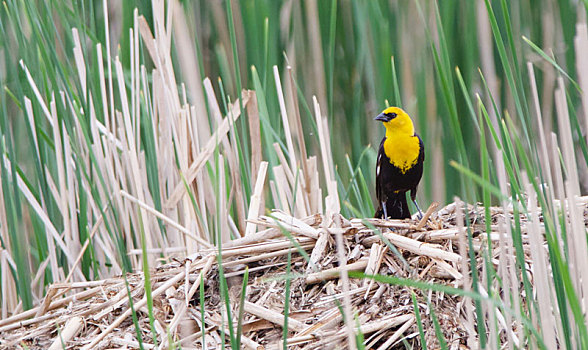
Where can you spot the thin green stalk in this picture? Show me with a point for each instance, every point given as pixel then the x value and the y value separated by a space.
pixel 331 56
pixel 133 312
pixel 202 314
pixel 419 321
pixel 147 279
pixel 438 332
pixel 242 306
pixel 287 301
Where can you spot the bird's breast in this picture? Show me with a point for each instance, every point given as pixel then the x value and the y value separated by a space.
pixel 403 151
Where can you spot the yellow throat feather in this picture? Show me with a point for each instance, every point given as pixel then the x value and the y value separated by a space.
pixel 401 145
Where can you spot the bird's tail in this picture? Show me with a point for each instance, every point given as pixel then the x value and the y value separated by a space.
pixel 396 207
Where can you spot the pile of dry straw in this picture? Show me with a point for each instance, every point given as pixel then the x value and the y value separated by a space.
pixel 97 315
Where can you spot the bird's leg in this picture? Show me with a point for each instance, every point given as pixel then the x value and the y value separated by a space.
pixel 385 211
pixel 418 208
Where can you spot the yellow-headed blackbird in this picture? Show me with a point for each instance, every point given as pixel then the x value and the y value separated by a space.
pixel 399 166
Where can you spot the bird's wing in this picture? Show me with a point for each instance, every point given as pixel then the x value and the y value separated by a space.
pixel 421 149
pixel 419 167
pixel 378 168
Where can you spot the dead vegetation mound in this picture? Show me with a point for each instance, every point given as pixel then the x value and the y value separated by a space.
pixel 97 315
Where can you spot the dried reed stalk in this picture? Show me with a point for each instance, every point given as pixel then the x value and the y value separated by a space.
pixel 208 150
pixel 415 246
pixel 273 316
pixel 72 328
pixel 335 272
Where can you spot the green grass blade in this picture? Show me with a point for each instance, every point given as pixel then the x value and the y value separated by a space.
pixel 419 321
pixel 287 301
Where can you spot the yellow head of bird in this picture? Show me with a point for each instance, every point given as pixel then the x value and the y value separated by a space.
pixel 396 120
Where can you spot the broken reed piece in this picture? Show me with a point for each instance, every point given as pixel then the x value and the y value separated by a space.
pixel 256 199
pixel 24 318
pixel 334 272
pixel 414 246
pixel 269 255
pixel 273 316
pixel 428 214
pixel 396 336
pixel 377 253
pixel 280 225
pixel 46 301
pixel 263 247
pixel 318 251
pixel 371 327
pixel 269 233
pixel 72 327
pixel 437 235
pixel 390 223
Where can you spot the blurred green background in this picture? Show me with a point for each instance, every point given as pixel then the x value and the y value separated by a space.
pixel 341 51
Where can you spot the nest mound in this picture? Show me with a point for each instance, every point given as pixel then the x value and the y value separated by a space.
pixel 97 314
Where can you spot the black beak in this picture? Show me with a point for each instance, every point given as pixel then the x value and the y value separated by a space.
pixel 383 117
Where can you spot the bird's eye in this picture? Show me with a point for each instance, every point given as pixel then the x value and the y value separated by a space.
pixel 392 115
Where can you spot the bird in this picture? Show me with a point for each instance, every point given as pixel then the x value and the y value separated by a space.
pixel 399 165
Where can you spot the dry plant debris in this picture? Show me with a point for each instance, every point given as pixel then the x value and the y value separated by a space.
pixel 96 315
